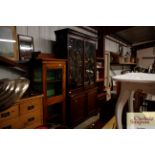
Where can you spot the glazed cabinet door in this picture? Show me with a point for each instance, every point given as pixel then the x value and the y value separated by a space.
pixel 89 62
pixel 54 84
pixel 78 109
pixel 75 62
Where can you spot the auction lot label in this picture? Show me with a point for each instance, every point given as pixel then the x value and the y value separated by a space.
pixel 141 120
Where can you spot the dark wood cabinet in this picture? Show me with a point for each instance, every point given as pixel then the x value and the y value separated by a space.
pixel 81 106
pixel 91 101
pixel 77 109
pixel 80 51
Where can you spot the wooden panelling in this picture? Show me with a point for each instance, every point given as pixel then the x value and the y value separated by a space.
pixel 92 106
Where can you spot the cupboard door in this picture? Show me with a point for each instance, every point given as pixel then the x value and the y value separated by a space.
pixel 78 108
pixel 75 62
pixel 89 62
pixel 92 102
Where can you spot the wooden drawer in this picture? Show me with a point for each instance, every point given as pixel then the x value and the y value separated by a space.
pixel 9 113
pixel 34 125
pixel 30 105
pixel 30 118
pixel 11 124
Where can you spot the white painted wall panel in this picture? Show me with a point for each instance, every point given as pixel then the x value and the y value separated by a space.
pixel 44 36
pixel 35 32
pixel 147 52
pixel 22 30
pixel 45 39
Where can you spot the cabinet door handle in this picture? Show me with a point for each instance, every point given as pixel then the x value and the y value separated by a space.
pixel 30 107
pixel 6 114
pixel 31 119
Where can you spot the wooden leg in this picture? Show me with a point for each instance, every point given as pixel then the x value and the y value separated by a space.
pixel 123 97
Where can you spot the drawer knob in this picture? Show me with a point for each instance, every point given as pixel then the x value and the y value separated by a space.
pixel 31 119
pixel 30 107
pixel 6 114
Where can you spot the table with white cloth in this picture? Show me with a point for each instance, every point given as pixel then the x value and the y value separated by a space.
pixel 129 83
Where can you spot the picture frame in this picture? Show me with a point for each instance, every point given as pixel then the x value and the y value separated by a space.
pixel 25 46
pixel 8 43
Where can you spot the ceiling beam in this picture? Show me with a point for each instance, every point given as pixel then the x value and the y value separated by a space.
pixel 121 39
pixel 144 45
pixel 107 30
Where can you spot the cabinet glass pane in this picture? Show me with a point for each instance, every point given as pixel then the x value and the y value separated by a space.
pixel 54 82
pixel 75 60
pixel 37 74
pixel 89 63
pixel 38 80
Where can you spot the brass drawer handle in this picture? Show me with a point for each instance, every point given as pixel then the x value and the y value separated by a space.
pixel 31 119
pixel 7 127
pixel 6 114
pixel 30 107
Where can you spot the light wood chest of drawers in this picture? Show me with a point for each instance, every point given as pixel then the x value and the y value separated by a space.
pixel 26 113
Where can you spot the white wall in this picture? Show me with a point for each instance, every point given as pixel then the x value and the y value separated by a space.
pixel 145 62
pixel 112 46
pixel 43 37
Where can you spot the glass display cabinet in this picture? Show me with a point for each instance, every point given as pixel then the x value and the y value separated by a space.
pixel 89 63
pixel 80 51
pixel 49 77
pixel 75 63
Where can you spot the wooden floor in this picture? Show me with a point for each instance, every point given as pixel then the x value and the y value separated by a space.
pixel 99 124
pixel 111 124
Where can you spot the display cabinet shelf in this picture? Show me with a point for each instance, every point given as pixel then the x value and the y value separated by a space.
pixel 99 58
pixel 116 64
pixel 100 80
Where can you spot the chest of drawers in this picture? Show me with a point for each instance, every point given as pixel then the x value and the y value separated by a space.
pixel 26 113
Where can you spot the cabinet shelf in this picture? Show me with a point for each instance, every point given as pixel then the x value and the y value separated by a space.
pixel 100 58
pixel 99 80
pixel 122 64
pixel 99 67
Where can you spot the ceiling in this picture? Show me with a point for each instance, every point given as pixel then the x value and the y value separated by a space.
pixel 133 35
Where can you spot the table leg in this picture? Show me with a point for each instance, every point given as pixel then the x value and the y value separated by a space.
pixel 130 102
pixel 123 97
